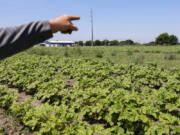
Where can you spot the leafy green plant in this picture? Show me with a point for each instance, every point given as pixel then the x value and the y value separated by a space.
pixel 129 53
pixel 66 54
pixel 99 54
pixel 79 51
pixel 140 59
pixel 2 131
pixel 170 57
pixel 178 51
pixel 84 96
pixel 114 53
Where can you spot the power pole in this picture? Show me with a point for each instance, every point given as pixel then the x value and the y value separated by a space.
pixel 92 29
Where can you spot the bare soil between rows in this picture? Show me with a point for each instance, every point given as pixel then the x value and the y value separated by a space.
pixel 23 96
pixel 10 125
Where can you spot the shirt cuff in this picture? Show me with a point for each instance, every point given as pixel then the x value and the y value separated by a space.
pixel 47 28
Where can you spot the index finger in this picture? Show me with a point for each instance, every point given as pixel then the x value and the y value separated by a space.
pixel 74 18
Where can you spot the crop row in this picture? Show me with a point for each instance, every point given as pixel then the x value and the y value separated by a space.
pixel 82 96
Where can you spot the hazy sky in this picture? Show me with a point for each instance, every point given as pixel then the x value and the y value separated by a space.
pixel 139 20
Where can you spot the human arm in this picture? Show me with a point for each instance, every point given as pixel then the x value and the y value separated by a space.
pixel 17 39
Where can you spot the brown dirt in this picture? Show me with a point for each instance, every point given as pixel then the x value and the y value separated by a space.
pixel 70 82
pixel 116 74
pixel 22 96
pixel 11 126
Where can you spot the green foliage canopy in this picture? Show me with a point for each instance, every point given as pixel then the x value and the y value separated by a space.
pixel 173 40
pixel 105 42
pixel 81 96
pixel 97 43
pixel 114 42
pixel 166 39
pixel 88 43
pixel 127 42
pixel 80 43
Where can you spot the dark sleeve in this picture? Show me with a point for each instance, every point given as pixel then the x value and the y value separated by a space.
pixel 17 39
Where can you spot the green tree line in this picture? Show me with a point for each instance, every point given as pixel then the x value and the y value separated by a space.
pixel 162 39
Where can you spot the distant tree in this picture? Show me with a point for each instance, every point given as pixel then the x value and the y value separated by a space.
pixel 162 39
pixel 166 39
pixel 173 40
pixel 97 43
pixel 105 42
pixel 150 43
pixel 137 43
pixel 80 43
pixel 127 42
pixel 122 43
pixel 88 43
pixel 114 42
pixel 77 42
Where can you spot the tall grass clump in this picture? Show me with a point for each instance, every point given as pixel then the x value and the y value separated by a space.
pixel 170 57
pixel 66 52
pixel 129 53
pixel 99 54
pixel 136 51
pixel 78 51
pixel 178 52
pixel 157 51
pixel 140 59
pixel 114 53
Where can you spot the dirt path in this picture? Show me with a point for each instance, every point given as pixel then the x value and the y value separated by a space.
pixel 10 124
pixel 22 96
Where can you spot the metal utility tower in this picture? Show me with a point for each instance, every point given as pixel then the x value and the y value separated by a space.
pixel 92 29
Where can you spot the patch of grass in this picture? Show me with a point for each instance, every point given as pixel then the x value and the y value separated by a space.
pixel 66 52
pixel 157 51
pixel 118 55
pixel 99 54
pixel 140 59
pixel 78 51
pixel 114 53
pixel 108 59
pixel 129 53
pixel 170 57
pixel 147 51
pixel 136 51
pixel 178 52
pixel 2 131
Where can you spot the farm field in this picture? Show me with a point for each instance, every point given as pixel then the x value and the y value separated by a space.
pixel 92 91
pixel 164 56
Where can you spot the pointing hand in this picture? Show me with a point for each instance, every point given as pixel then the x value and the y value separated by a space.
pixel 63 24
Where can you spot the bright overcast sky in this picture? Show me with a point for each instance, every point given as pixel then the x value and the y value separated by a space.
pixel 139 20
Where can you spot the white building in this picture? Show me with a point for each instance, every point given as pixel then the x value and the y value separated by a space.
pixel 58 43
